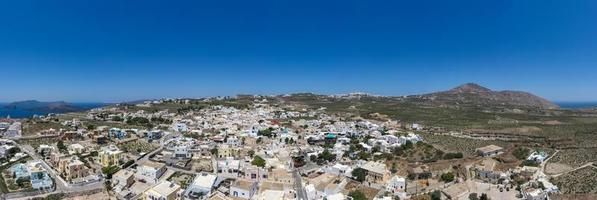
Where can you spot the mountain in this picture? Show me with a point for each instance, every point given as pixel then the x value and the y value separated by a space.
pixel 44 107
pixel 471 93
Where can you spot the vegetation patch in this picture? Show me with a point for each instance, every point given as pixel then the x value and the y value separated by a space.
pixel 578 182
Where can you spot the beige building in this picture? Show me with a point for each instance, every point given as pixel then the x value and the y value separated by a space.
pixel 123 178
pixel 165 190
pixel 72 168
pixel 376 172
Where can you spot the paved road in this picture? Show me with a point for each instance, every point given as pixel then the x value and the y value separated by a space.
pixel 298 185
pixel 146 157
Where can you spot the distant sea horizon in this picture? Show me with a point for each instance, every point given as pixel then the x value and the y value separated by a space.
pixel 577 104
pixel 22 113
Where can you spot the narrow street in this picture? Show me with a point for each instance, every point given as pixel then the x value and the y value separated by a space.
pixel 298 185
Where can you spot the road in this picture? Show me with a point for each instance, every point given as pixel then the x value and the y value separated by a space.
pixel 298 185
pixel 145 157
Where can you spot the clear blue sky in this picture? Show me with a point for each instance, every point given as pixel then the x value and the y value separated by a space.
pixel 115 50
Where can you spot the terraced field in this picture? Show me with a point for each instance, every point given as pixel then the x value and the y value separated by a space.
pixel 575 157
pixel 578 182
pixel 464 145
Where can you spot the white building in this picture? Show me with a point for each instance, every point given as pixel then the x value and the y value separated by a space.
pixel 182 151
pixel 537 157
pixel 180 127
pixel 534 194
pixel 201 185
pixel 243 189
pixel 396 185
pixel 150 171
pixel 14 130
pixel 229 167
pixel 339 169
pixel 75 149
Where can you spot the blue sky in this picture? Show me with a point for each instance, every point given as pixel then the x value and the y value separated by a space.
pixel 115 50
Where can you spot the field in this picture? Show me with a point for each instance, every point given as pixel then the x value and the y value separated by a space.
pixel 32 127
pixel 464 145
pixel 38 141
pixel 138 146
pixel 578 182
pixel 575 157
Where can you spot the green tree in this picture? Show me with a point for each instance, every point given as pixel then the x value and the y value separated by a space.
pixel 327 156
pixel 357 195
pixel 214 151
pixel 359 174
pixel 258 161
pixel 447 177
pixel 61 146
pixel 251 153
pixel 436 195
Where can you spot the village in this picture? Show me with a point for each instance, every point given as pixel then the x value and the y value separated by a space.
pixel 259 152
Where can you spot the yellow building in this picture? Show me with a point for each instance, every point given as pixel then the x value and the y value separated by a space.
pixel 224 151
pixel 110 155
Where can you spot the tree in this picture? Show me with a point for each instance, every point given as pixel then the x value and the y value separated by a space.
pixel 327 156
pixel 408 145
pixel 447 177
pixel 268 132
pixel 473 196
pixel 357 195
pixel 484 197
pixel 393 170
pixel 61 146
pixel 214 151
pixel 359 174
pixel 436 195
pixel 258 161
pixel 109 170
pixel 251 153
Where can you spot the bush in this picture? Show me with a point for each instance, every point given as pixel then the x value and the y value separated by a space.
pixel 449 156
pixel 447 177
pixel 521 153
pixel 357 195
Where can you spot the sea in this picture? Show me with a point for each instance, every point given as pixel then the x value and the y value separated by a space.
pixel 21 113
pixel 577 105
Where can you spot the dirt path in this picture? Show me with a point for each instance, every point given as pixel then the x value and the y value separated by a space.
pixel 589 164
